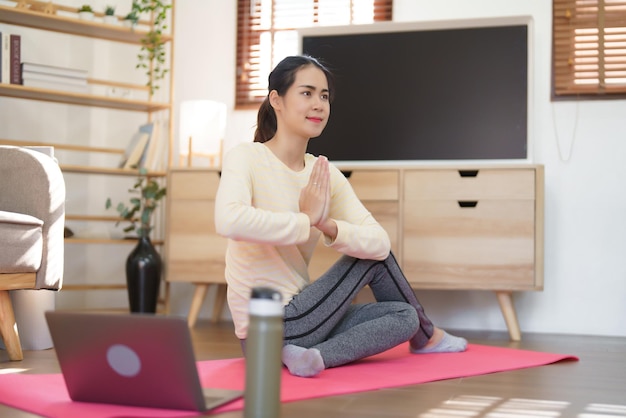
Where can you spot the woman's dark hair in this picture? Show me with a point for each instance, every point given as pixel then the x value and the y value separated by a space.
pixel 280 79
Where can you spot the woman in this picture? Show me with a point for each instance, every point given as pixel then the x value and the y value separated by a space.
pixel 274 201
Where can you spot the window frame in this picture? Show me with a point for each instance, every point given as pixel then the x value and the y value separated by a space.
pixel 584 64
pixel 249 38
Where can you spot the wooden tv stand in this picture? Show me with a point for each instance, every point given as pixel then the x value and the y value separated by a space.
pixel 456 227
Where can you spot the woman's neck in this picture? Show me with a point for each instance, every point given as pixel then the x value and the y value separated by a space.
pixel 288 150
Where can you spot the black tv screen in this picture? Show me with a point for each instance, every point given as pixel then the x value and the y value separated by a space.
pixel 438 94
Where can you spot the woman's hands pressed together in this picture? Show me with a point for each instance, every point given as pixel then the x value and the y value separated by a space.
pixel 315 198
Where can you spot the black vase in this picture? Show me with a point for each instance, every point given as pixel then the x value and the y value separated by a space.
pixel 143 276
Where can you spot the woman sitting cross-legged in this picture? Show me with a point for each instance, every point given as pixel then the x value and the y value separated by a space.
pixel 273 203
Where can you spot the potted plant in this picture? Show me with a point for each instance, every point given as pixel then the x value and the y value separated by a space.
pixel 85 12
pixel 151 57
pixel 109 15
pixel 131 19
pixel 143 265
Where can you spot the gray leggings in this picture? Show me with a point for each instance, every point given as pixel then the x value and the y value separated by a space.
pixel 322 315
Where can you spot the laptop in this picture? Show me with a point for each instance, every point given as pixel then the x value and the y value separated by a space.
pixel 131 359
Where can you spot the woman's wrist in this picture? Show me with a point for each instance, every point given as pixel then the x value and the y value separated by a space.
pixel 328 227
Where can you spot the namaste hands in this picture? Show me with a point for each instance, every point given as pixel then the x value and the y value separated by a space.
pixel 315 198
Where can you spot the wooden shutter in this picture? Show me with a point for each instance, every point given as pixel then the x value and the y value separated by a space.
pixel 589 48
pixel 266 33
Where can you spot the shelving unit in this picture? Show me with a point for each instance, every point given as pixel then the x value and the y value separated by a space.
pixel 67 22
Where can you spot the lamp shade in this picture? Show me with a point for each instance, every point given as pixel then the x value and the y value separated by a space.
pixel 203 125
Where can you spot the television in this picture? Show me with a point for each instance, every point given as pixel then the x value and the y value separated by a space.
pixel 426 91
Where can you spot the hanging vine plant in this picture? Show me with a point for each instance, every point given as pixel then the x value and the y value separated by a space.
pixel 151 57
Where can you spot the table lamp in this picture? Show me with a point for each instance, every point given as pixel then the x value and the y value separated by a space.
pixel 202 129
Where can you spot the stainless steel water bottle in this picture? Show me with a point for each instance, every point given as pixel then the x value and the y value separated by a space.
pixel 264 345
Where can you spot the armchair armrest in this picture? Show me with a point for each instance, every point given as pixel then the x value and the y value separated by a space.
pixel 32 183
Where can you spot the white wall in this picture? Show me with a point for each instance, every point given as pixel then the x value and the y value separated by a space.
pixel 585 208
pixel 582 145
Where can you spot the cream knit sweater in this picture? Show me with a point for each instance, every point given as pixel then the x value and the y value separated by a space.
pixel 270 243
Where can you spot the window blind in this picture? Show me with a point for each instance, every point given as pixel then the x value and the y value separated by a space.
pixel 267 32
pixel 589 48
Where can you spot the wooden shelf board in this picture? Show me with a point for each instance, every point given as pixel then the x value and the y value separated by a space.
pixel 99 218
pixel 83 169
pixel 78 240
pixel 94 287
pixel 72 26
pixel 58 146
pixel 56 96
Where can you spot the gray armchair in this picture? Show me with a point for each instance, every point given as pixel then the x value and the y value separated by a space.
pixel 32 220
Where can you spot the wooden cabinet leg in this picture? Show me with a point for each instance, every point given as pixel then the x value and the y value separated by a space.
pixel 218 304
pixel 166 298
pixel 198 298
pixel 196 303
pixel 8 328
pixel 505 299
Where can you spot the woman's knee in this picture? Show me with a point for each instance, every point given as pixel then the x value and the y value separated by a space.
pixel 408 317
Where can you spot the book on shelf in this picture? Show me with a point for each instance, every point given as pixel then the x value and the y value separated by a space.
pixel 5 57
pixel 129 149
pixel 141 141
pixel 15 58
pixel 55 85
pixel 148 128
pixel 52 70
pixel 154 152
pixel 137 147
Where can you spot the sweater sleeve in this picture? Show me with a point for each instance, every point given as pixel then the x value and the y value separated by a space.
pixel 238 219
pixel 358 233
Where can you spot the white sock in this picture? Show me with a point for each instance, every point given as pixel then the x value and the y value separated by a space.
pixel 448 344
pixel 303 362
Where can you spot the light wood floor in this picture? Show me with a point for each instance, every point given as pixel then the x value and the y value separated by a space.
pixel 594 387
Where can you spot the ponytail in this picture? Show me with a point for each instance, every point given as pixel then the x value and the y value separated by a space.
pixel 266 122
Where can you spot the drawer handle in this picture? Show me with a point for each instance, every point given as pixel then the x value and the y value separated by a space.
pixel 347 174
pixel 468 173
pixel 468 203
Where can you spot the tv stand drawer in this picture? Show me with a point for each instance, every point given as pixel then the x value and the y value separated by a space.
pixel 469 184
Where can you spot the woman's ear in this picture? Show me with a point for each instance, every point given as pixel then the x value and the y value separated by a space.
pixel 274 99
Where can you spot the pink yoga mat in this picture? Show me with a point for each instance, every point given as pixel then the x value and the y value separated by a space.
pixel 45 394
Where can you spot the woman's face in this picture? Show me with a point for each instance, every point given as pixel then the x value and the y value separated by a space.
pixel 305 108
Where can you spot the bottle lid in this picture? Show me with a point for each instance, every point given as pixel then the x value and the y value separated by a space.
pixel 265 301
pixel 265 293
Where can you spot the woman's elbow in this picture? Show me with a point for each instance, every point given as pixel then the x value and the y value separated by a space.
pixel 225 223
pixel 384 248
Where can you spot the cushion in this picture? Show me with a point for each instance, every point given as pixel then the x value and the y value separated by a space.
pixel 21 243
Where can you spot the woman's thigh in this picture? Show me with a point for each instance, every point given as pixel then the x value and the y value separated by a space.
pixel 317 309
